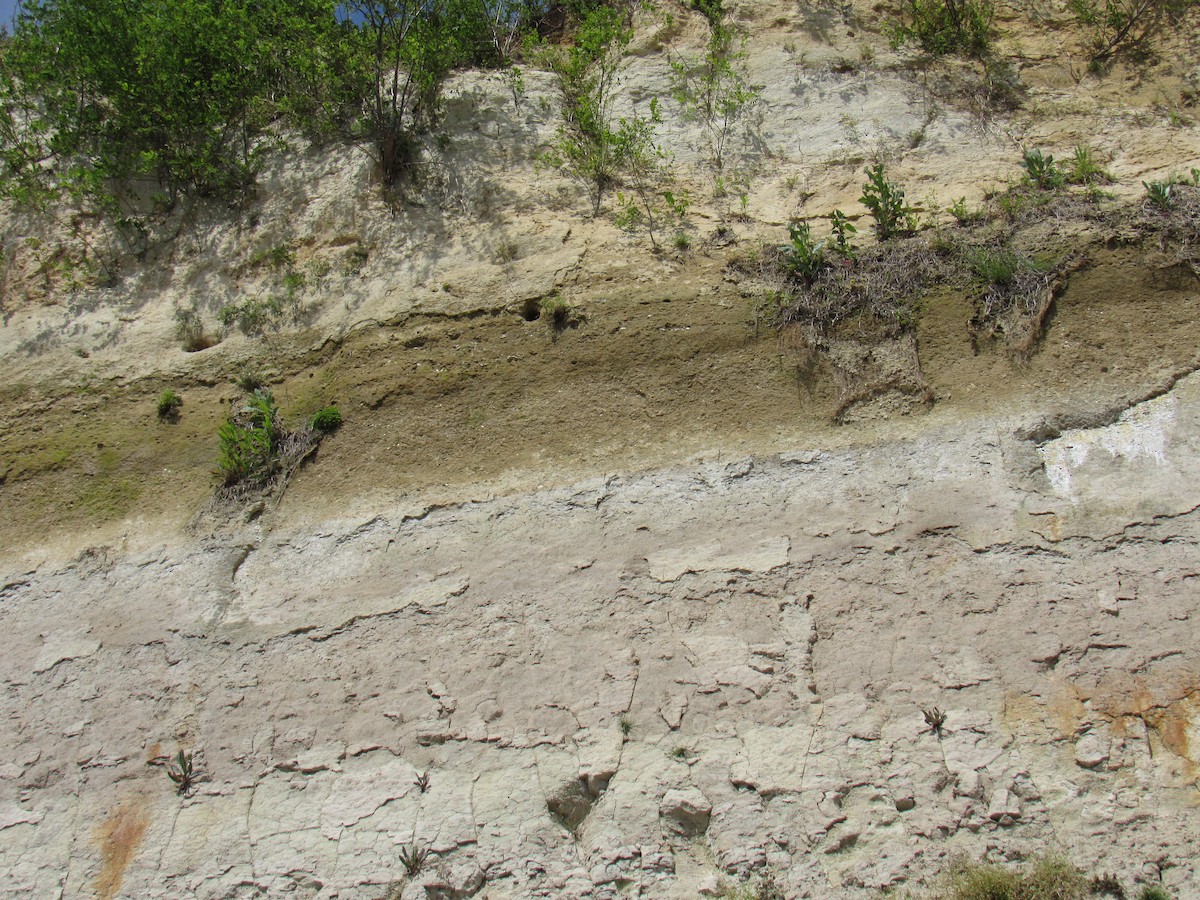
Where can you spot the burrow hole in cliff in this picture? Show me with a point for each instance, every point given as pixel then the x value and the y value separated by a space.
pixel 531 310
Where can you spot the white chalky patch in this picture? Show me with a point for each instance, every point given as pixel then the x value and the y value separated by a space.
pixel 1140 433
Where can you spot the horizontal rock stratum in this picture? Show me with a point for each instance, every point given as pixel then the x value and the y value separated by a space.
pixel 636 682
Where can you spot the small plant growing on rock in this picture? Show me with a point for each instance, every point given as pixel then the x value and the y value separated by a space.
pixel 413 856
pixel 326 421
pixel 1086 168
pixel 885 202
pixel 625 724
pixel 250 381
pixel 507 251
pixel 249 441
pixel 422 781
pixel 168 406
pixel 555 310
pixel 1041 171
pixel 804 256
pixel 1153 892
pixel 935 719
pixel 181 772
pixel 842 229
pixel 965 215
pixel 1158 193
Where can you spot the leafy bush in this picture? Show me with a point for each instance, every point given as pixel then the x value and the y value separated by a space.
pixel 885 201
pixel 326 421
pixel 168 405
pixel 1153 892
pixel 406 48
pixel 804 256
pixel 643 165
pixel 184 91
pixel 248 448
pixel 711 89
pixel 1114 23
pixel 588 146
pixel 940 27
pixel 1041 171
pixel 179 92
pixel 1158 193
pixel 842 229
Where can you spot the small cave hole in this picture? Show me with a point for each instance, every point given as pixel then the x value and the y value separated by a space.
pixel 531 310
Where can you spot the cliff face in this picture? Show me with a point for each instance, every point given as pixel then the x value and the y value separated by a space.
pixel 624 607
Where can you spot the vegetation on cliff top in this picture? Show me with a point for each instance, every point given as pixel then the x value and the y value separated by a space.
pixel 104 99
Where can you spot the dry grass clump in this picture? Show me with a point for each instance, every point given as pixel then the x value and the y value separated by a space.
pixel 882 287
pixel 1047 877
pixel 1175 223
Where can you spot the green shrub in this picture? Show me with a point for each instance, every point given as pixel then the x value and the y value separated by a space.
pixel 1112 24
pixel 1159 193
pixel 965 215
pixel 587 146
pixel 555 310
pixel 712 89
pixel 842 229
pixel 1086 169
pixel 168 405
pixel 248 450
pixel 803 257
pixel 940 27
pixel 1153 892
pixel 1041 171
pixel 885 201
pixel 178 92
pixel 326 421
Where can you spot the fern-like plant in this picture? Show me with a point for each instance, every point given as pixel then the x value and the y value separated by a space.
pixel 248 448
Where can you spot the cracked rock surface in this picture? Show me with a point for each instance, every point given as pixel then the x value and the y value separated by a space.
pixel 628 686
